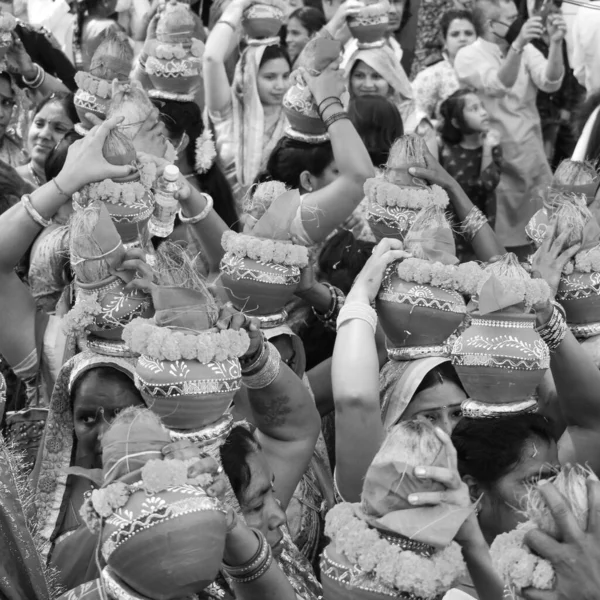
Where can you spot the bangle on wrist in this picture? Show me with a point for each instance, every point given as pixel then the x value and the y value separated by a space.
pixel 33 213
pixel 60 190
pixel 256 567
pixel 338 299
pixel 554 330
pixel 267 372
pixel 517 49
pixel 342 115
pixel 357 310
pixel 253 363
pixel 201 215
pixel 37 81
pixel 228 23
pixel 472 223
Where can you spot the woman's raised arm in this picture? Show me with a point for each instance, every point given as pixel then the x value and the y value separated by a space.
pixel 220 44
pixel 329 207
pixel 20 225
pixel 355 375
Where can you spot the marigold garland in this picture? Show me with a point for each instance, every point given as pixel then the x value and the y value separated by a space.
pixel 143 336
pixel 206 152
pixel 404 570
pixel 464 278
pixel 83 314
pixel 157 476
pixel 517 565
pixel 127 193
pixel 391 195
pixel 266 251
pixel 587 261
pixel 93 85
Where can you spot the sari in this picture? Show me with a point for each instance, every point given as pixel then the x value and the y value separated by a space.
pixel 66 543
pixel 398 382
pixel 22 573
pixel 244 139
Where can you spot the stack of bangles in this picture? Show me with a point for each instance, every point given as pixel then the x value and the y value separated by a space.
pixel 472 223
pixel 553 332
pixel 337 301
pixel 256 567
pixel 36 82
pixel 360 311
pixel 336 116
pixel 263 370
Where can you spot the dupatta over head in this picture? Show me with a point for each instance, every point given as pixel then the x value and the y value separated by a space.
pixel 249 117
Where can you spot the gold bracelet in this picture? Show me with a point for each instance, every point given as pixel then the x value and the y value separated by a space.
pixel 33 213
pixel 267 373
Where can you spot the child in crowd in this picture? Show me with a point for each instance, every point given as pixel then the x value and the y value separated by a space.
pixel 471 153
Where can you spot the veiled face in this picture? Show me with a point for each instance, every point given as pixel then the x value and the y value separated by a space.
pixel 440 405
pixel 97 400
pixel 366 81
pixel 273 81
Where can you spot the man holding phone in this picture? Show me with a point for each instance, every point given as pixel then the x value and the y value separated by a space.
pixel 507 71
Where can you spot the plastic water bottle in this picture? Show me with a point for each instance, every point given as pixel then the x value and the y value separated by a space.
pixel 166 207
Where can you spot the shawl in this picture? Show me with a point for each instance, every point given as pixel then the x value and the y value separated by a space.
pixel 21 569
pixel 248 116
pixel 49 477
pixel 405 377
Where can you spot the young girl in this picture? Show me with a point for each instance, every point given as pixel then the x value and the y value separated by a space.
pixel 471 153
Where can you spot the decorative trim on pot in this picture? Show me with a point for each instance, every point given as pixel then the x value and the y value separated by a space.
pixel 480 410
pixel 274 320
pixel 415 352
pixel 235 267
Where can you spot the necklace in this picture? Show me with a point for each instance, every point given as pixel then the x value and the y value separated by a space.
pixel 35 176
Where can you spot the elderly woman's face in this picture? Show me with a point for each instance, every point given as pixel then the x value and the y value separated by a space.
pixel 96 402
pixel 365 81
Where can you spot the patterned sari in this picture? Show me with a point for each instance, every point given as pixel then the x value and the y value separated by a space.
pixel 22 574
pixel 66 543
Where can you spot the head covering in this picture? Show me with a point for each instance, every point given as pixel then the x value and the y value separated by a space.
pixel 251 151
pixel 398 382
pixel 384 61
pixel 49 477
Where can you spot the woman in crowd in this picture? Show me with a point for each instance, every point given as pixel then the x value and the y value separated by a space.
pixel 184 127
pixel 377 71
pixel 92 23
pixel 471 153
pixel 247 115
pixel 304 23
pixel 434 84
pixel 52 119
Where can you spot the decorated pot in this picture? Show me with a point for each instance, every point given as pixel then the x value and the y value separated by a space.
pixel 131 220
pixel 258 288
pixel 538 227
pixel 117 306
pixel 166 545
pixel 500 358
pixel 579 295
pixel 369 29
pixel 417 319
pixel 262 21
pixel 176 68
pixel 302 113
pixel 187 394
pixel 390 221
pixel 93 96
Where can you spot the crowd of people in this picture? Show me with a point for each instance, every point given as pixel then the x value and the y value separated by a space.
pixel 347 348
